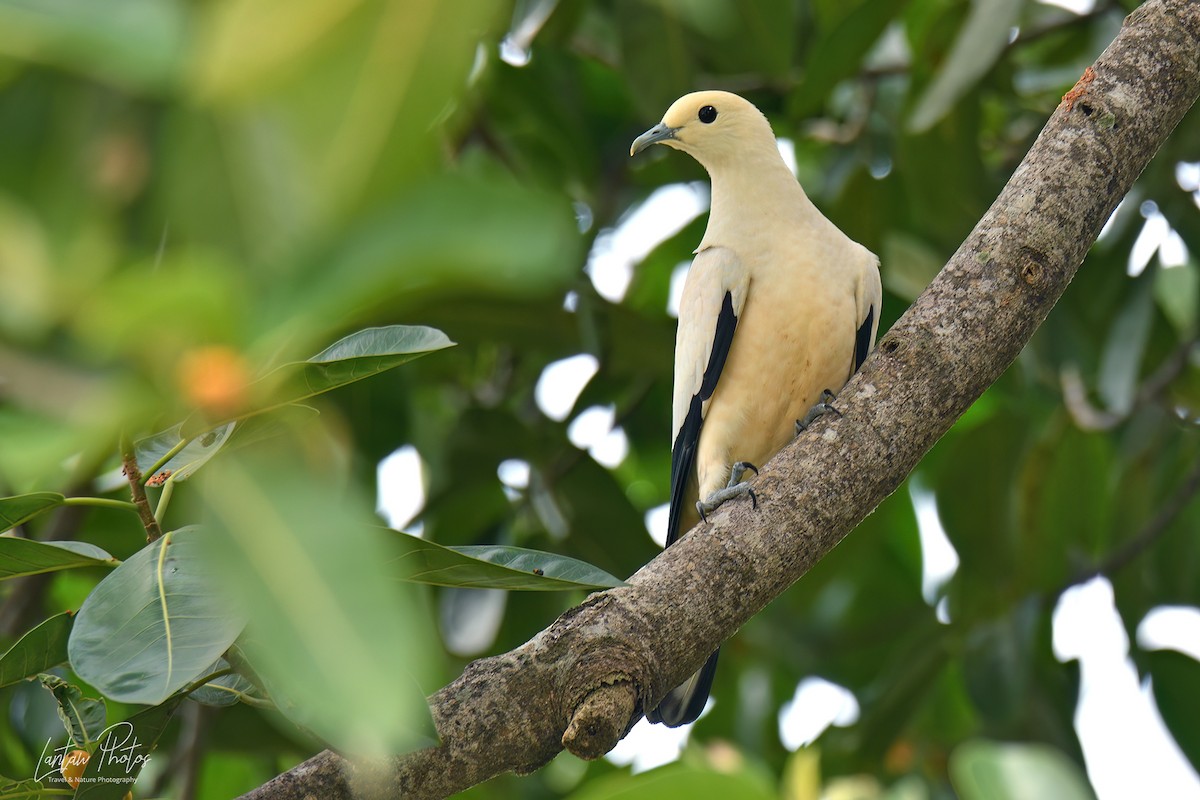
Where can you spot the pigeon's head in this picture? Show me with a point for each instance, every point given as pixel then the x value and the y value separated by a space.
pixel 712 127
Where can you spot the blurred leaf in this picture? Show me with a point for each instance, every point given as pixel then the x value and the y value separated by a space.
pixel 1069 519
pixel 124 750
pixel 450 236
pixel 974 487
pixel 840 52
pixel 982 770
pixel 326 622
pixel 998 664
pixel 38 650
pixel 203 446
pixel 1175 677
pixel 1177 290
pixel 942 173
pixel 24 507
pixel 155 623
pixel 352 358
pixel 347 99
pixel 908 265
pixel 493 567
pixel 679 781
pixel 1126 345
pixel 980 42
pixel 84 717
pixel 137 43
pixel 183 464
pixel 653 47
pixel 26 557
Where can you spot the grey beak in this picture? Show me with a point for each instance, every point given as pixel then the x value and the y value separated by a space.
pixel 658 133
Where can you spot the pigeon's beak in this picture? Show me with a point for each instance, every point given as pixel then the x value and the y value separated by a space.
pixel 659 133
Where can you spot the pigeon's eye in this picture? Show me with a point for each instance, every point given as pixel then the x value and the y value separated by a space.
pixel 707 114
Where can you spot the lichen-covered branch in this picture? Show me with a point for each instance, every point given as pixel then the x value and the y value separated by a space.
pixel 584 680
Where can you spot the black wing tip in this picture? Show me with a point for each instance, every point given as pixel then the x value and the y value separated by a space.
pixel 862 339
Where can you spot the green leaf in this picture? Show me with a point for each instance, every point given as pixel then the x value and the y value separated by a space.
pixel 155 624
pixel 131 42
pixel 84 717
pixel 30 789
pixel 908 265
pixel 493 567
pixel 839 53
pixel 679 781
pixel 123 750
pixel 38 650
pixel 1175 677
pixel 227 690
pixel 327 624
pixel 20 557
pixel 24 507
pixel 1177 290
pixel 1125 348
pixel 980 42
pixel 194 455
pixel 352 358
pixel 982 770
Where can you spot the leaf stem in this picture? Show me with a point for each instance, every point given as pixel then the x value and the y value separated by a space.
pixel 212 676
pixel 101 502
pixel 137 491
pixel 164 500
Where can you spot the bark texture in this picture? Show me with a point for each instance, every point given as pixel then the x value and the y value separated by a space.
pixel 584 680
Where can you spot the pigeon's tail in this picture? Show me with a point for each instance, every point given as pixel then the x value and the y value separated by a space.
pixel 684 703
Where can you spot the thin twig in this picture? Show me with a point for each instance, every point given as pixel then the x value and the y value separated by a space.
pixel 1090 418
pixel 137 491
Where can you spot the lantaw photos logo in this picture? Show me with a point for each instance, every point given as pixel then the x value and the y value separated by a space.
pixel 121 754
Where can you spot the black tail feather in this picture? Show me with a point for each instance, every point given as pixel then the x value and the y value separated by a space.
pixel 684 703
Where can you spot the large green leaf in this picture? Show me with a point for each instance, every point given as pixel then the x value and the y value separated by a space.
pixel 41 648
pixel 155 624
pixel 352 358
pixel 493 567
pixel 84 717
pixel 26 557
pixel 326 622
pixel 24 507
pixel 981 770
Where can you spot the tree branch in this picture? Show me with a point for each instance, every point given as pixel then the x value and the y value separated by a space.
pixel 137 491
pixel 584 680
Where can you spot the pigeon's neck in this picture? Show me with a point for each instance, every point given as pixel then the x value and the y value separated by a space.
pixel 757 189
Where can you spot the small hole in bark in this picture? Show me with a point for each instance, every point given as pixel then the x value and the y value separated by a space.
pixel 1086 109
pixel 1031 272
pixel 889 346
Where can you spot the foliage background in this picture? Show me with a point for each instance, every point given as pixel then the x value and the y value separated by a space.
pixel 269 176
